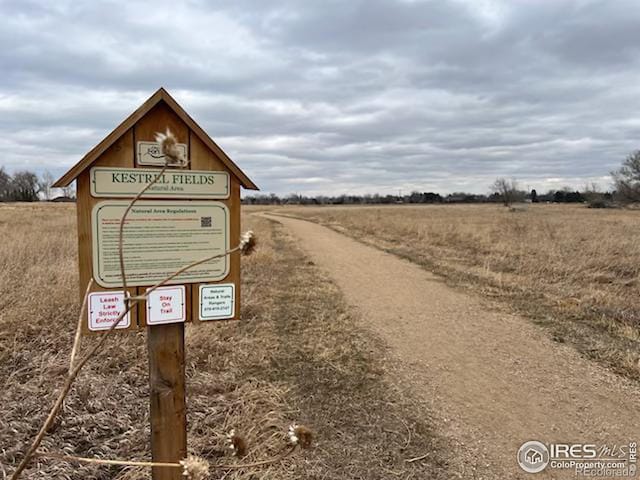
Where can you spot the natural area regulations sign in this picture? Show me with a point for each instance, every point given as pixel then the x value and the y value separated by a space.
pixel 127 182
pixel 160 237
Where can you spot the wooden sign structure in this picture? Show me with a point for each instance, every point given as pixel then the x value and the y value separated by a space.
pixel 189 214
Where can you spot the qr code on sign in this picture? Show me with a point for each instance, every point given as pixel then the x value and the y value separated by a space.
pixel 205 221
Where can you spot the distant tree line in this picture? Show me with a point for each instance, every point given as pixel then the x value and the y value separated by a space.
pixel 26 186
pixel 626 181
pixel 565 195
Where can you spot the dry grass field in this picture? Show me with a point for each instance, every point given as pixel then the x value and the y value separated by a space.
pixel 572 269
pixel 297 356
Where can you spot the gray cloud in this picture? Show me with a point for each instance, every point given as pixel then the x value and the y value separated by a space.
pixel 336 96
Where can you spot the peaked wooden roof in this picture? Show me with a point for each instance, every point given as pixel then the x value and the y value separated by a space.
pixel 160 95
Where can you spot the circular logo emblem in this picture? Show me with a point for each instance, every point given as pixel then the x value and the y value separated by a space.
pixel 533 456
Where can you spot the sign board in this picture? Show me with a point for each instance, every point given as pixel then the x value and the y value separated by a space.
pixel 150 153
pixel 166 305
pixel 127 182
pixel 160 237
pixel 189 213
pixel 104 309
pixel 217 301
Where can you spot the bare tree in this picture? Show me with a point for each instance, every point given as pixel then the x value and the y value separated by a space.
pixel 506 189
pixel 5 185
pixel 627 178
pixel 68 191
pixel 45 183
pixel 25 187
pixel 591 191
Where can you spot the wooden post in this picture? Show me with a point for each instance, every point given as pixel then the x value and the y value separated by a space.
pixel 165 345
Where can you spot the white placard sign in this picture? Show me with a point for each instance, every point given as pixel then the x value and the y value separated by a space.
pixel 111 182
pixel 104 309
pixel 217 301
pixel 150 153
pixel 160 237
pixel 166 305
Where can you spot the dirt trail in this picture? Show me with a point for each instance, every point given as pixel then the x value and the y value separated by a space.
pixel 493 379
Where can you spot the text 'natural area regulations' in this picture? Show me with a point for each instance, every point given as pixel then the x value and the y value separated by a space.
pixel 160 237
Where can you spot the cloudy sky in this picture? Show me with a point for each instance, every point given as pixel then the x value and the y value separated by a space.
pixel 330 97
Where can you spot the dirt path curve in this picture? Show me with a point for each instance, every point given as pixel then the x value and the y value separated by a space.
pixel 494 379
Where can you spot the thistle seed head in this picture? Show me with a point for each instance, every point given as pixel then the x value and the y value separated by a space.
pixel 169 147
pixel 237 444
pixel 247 242
pixel 300 435
pixel 195 468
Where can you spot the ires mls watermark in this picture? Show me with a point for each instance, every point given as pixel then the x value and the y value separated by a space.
pixel 584 459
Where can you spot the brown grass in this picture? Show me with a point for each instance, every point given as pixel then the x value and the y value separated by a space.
pixel 297 357
pixel 574 270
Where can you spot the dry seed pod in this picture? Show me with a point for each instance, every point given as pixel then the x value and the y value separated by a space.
pixel 237 443
pixel 248 242
pixel 300 435
pixel 195 468
pixel 169 146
